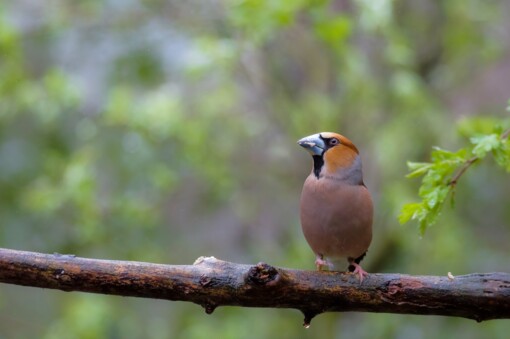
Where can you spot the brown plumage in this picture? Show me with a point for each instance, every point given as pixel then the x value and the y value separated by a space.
pixel 336 207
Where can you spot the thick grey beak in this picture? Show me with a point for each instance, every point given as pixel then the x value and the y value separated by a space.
pixel 313 144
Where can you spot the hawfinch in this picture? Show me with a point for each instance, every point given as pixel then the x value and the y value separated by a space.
pixel 336 207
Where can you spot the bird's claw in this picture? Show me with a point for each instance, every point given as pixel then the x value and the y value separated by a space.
pixel 359 271
pixel 320 263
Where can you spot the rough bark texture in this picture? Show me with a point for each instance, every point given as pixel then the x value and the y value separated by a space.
pixel 210 283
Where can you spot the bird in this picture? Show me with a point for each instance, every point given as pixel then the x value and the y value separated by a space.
pixel 336 208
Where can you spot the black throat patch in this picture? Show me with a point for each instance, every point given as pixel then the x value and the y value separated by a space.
pixel 318 162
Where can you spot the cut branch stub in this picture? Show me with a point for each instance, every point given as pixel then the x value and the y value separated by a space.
pixel 262 274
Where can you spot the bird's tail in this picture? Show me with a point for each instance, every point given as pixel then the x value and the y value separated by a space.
pixel 351 268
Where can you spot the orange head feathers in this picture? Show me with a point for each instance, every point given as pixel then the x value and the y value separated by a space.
pixel 334 155
pixel 336 207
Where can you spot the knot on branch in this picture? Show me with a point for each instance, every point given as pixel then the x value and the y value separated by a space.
pixel 262 274
pixel 400 289
pixel 205 280
pixel 400 285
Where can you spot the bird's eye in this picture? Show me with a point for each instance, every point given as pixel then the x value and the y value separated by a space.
pixel 333 142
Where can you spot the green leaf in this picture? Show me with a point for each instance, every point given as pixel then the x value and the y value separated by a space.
pixel 485 143
pixel 423 227
pixel 452 196
pixel 502 155
pixel 428 221
pixel 441 154
pixel 435 197
pixel 418 168
pixel 409 211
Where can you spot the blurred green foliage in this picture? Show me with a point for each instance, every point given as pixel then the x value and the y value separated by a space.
pixel 165 130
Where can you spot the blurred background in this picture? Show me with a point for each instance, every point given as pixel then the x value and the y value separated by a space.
pixel 162 131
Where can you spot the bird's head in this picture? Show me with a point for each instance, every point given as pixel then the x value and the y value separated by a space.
pixel 332 153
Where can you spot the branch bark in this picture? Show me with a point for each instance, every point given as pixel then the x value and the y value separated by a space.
pixel 210 283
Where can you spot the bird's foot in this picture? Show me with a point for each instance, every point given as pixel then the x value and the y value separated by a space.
pixel 320 262
pixel 359 271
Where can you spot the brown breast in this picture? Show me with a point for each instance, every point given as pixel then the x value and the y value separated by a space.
pixel 336 217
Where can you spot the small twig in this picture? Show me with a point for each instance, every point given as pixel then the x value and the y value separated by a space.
pixel 505 134
pixel 461 171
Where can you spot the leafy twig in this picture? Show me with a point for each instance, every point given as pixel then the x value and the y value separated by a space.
pixel 471 161
pixel 438 181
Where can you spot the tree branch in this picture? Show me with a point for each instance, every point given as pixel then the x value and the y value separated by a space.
pixel 211 283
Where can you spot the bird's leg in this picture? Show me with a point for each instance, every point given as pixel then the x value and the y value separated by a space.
pixel 320 262
pixel 359 271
